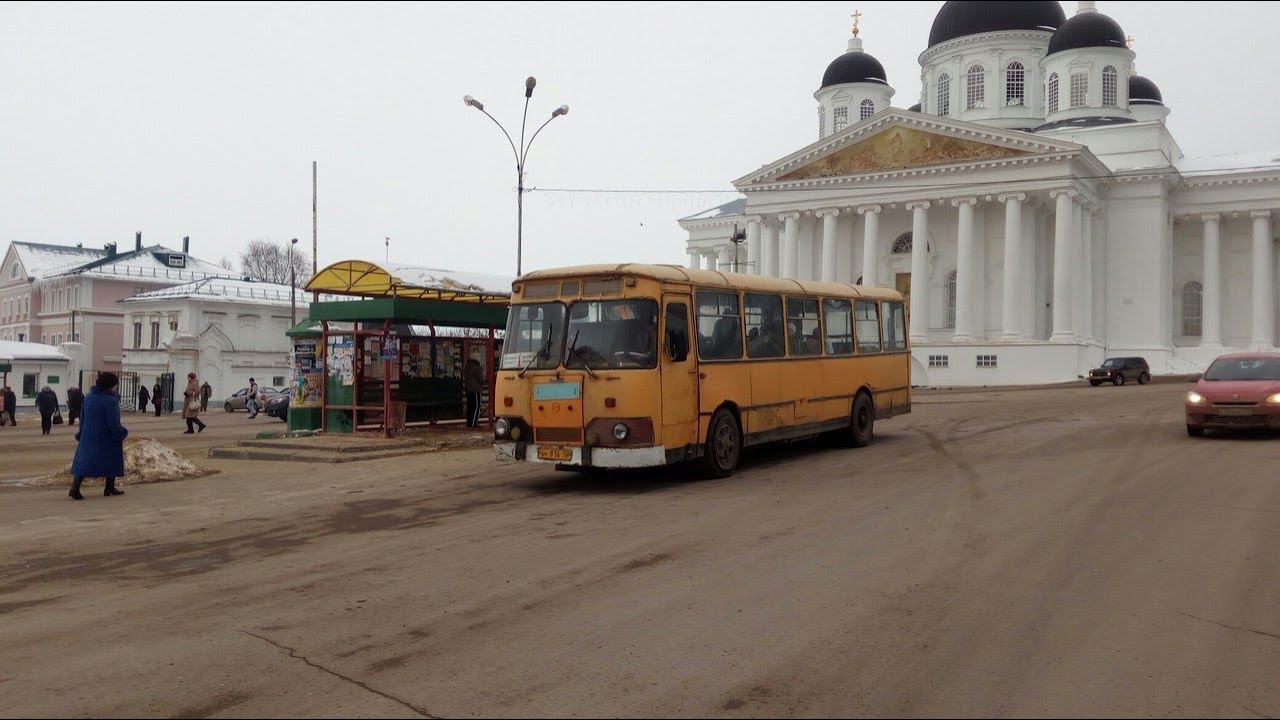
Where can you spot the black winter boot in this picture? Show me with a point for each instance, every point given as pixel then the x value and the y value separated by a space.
pixel 75 489
pixel 110 489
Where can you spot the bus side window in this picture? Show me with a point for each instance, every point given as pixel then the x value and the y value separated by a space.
pixel 895 327
pixel 837 318
pixel 677 343
pixel 802 327
pixel 867 326
pixel 763 317
pixel 719 326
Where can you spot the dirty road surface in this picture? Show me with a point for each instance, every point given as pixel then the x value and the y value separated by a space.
pixel 1048 552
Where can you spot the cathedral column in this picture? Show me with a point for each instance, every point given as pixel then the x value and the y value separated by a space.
pixel 1211 297
pixel 725 261
pixel 695 260
pixel 769 250
pixel 753 246
pixel 1264 336
pixel 1066 221
pixel 1012 297
pixel 1084 323
pixel 828 216
pixel 964 269
pixel 870 244
pixel 790 244
pixel 709 259
pixel 919 270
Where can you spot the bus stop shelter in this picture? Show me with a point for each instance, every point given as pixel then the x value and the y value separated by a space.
pixel 394 351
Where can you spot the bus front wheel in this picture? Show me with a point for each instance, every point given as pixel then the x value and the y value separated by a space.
pixel 724 445
pixel 862 421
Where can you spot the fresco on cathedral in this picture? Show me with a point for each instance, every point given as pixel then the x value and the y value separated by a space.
pixel 898 148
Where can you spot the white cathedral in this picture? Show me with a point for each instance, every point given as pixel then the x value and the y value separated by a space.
pixel 1033 205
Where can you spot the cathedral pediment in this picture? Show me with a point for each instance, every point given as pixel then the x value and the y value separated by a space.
pixel 898 140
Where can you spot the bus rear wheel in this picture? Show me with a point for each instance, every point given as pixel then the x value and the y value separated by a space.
pixel 862 421
pixel 724 445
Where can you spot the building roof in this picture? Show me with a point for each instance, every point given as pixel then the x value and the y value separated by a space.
pixel 854 66
pixel 149 265
pixel 733 207
pixel 40 260
pixel 1144 92
pixel 959 19
pixel 1087 30
pixel 13 351
pixel 233 290
pixel 365 279
pixel 1257 161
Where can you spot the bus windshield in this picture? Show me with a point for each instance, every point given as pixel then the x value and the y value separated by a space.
pixel 612 334
pixel 535 337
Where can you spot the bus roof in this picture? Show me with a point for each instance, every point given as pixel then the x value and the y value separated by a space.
pixel 714 278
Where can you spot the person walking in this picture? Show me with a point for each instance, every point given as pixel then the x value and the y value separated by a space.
pixel 191 404
pixel 206 392
pixel 75 401
pixel 144 398
pixel 156 400
pixel 100 452
pixel 251 399
pixel 47 404
pixel 10 406
pixel 473 382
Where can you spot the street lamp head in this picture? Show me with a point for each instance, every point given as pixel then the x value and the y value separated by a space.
pixel 472 102
pixel 529 85
pixel 562 110
pixel 293 241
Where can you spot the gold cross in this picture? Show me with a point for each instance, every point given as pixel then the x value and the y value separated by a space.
pixel 1128 42
pixel 856 15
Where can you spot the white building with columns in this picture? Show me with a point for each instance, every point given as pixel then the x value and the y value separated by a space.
pixel 1033 205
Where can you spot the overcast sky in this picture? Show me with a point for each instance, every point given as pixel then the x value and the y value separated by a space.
pixel 204 119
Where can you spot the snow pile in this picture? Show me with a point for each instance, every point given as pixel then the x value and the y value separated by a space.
pixel 145 461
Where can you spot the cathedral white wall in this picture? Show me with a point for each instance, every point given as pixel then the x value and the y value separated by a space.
pixel 1140 284
pixel 1125 146
pixel 1089 62
pixel 994 51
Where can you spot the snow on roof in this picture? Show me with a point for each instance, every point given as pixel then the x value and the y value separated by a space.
pixel 230 290
pixel 1257 161
pixel 146 265
pixel 41 261
pixel 451 280
pixel 733 207
pixel 13 351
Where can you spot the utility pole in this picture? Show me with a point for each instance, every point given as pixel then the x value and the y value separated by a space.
pixel 737 238
pixel 315 296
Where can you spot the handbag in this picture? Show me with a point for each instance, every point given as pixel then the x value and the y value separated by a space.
pixel 57 418
pixel 194 405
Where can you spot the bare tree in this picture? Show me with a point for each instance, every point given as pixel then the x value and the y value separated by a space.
pixel 270 261
pixel 226 264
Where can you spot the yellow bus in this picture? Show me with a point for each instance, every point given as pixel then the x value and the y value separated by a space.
pixel 625 366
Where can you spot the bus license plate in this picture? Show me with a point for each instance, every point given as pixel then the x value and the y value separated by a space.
pixel 557 454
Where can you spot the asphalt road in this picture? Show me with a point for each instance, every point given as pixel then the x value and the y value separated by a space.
pixel 1053 552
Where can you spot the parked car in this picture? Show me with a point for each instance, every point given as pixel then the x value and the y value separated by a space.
pixel 278 407
pixel 1237 391
pixel 1119 370
pixel 237 400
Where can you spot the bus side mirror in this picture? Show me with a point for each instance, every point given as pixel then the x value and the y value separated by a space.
pixel 677 345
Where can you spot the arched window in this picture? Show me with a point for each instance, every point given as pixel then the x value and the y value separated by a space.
pixel 1109 95
pixel 841 118
pixel 951 299
pixel 866 109
pixel 1192 294
pixel 944 95
pixel 975 88
pixel 822 122
pixel 1015 84
pixel 1052 93
pixel 1079 90
pixel 902 243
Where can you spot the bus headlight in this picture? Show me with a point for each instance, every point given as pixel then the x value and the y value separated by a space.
pixel 620 431
pixel 1195 398
pixel 502 427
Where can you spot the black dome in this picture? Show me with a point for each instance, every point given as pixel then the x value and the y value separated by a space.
pixel 1144 92
pixel 854 67
pixel 958 19
pixel 1087 30
pixel 915 108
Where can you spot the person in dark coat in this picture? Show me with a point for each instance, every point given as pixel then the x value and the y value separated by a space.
pixel 47 404
pixel 10 406
pixel 144 398
pixel 155 397
pixel 100 452
pixel 75 402
pixel 206 392
pixel 473 382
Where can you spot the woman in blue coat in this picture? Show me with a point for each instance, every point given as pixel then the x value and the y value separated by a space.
pixel 101 449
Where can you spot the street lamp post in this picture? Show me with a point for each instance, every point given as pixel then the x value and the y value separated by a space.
pixel 293 285
pixel 520 155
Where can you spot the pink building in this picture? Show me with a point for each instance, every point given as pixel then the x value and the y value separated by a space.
pixel 53 294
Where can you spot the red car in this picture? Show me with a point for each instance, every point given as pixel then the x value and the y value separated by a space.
pixel 1237 391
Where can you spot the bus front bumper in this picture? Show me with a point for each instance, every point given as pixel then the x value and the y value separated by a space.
pixel 583 456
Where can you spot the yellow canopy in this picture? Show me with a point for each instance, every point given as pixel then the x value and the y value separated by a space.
pixel 365 279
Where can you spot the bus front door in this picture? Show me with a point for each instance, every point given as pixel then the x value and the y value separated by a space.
pixel 679 375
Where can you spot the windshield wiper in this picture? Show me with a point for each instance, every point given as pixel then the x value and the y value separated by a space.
pixel 544 352
pixel 572 351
